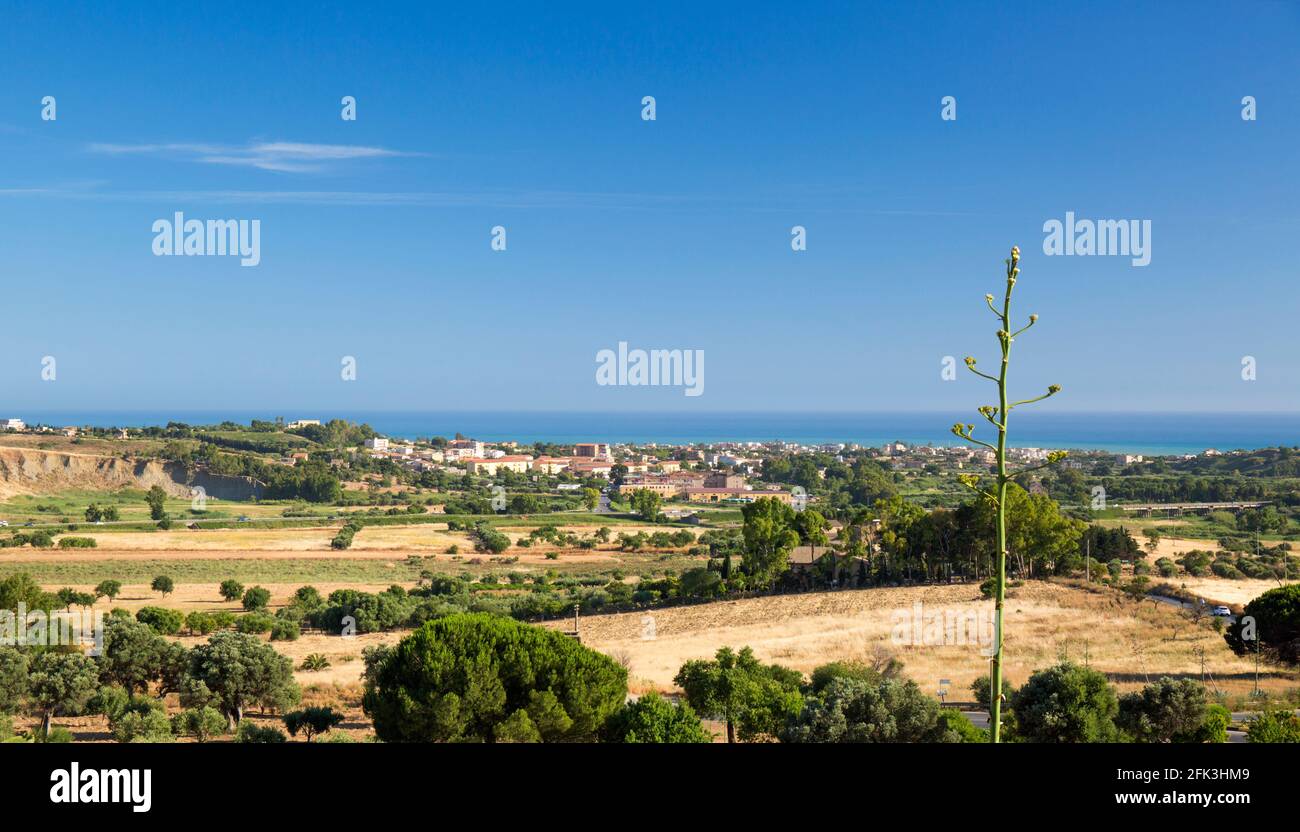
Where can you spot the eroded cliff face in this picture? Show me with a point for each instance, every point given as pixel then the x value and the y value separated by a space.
pixel 31 471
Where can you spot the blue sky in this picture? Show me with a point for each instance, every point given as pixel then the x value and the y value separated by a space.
pixel 666 234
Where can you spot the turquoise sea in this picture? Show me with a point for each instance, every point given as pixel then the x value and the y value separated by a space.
pixel 1145 433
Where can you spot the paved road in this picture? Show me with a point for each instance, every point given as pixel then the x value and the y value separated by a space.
pixel 980 719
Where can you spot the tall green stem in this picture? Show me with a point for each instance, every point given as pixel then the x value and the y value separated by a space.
pixel 1000 581
pixel 997 416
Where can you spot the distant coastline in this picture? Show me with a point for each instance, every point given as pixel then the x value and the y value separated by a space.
pixel 1135 433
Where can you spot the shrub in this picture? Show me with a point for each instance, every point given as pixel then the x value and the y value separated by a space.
pixel 1215 726
pixel 315 661
pixel 1167 710
pixel 488 539
pixel 53 735
pixel 825 674
pixel 77 543
pixel 231 590
pixel 312 721
pixel 1065 703
pixel 201 723
pixel 343 540
pixel 980 689
pixel 200 623
pixel 1224 569
pixel 250 733
pixel 164 621
pixel 282 630
pixel 256 598
pixel 254 622
pixel 150 726
pixel 653 719
pixel 1274 726
pixel 855 710
pixel 955 723
pixel 134 718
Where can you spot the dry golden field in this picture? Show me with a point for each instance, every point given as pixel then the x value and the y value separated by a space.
pixel 1130 641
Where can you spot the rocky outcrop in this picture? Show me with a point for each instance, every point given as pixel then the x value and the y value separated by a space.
pixel 31 471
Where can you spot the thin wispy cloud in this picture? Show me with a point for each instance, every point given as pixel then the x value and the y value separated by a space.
pixel 512 199
pixel 282 157
pixel 524 199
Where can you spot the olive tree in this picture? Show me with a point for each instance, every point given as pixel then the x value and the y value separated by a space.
pixel 132 654
pixel 311 721
pixel 235 670
pixel 14 666
pixel 60 684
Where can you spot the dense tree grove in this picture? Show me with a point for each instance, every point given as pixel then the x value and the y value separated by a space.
pixel 896 541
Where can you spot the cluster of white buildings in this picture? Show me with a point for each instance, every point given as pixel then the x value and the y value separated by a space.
pixel 589 459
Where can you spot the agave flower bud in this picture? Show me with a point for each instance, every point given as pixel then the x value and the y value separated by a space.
pixel 988 298
pixel 1054 389
pixel 1015 271
pixel 1015 252
pixel 970 361
pixel 1033 319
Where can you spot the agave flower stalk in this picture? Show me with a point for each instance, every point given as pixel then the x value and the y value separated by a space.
pixel 996 415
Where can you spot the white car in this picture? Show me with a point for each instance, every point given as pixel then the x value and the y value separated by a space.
pixel 1222 611
pixel 4 522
